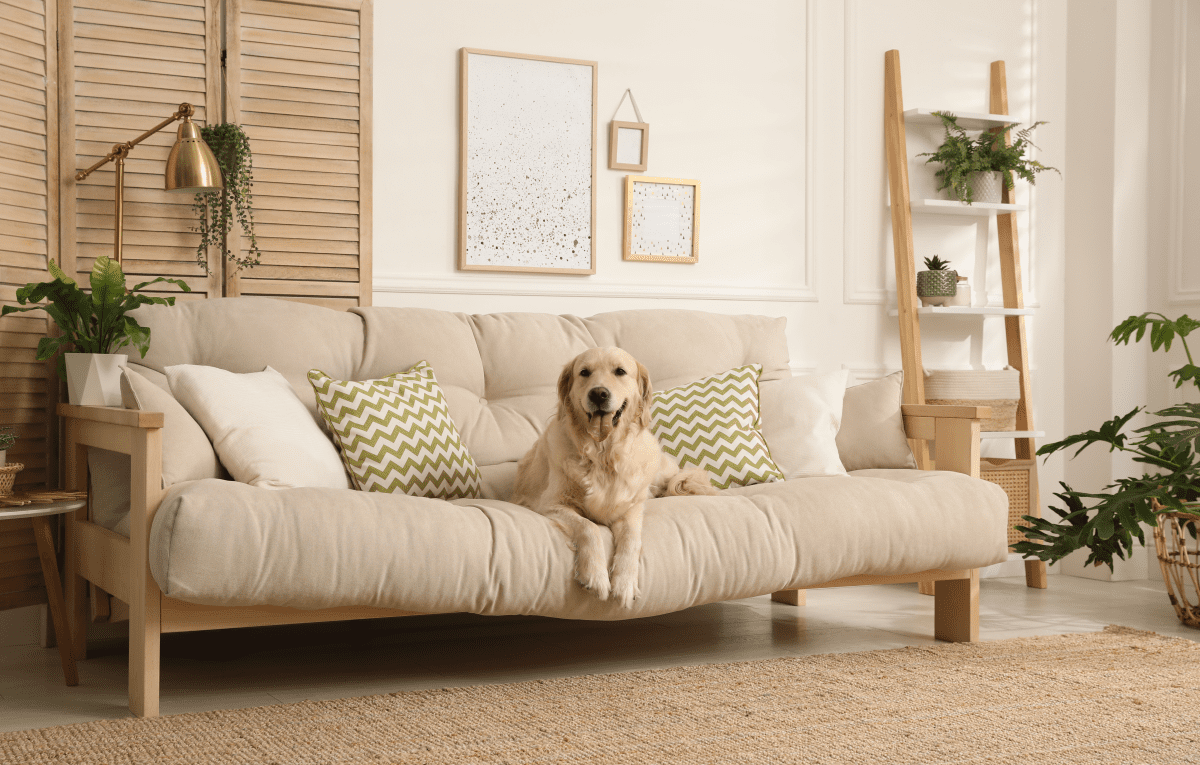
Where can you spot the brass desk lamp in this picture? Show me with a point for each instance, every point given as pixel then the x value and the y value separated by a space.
pixel 191 166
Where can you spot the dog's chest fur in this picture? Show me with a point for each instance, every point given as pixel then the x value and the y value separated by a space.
pixel 609 479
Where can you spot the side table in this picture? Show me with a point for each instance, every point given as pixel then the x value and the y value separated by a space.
pixel 39 507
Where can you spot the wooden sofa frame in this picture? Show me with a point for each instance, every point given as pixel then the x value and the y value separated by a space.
pixel 120 565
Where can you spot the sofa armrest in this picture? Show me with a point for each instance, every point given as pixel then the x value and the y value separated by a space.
pixel 954 431
pixel 112 415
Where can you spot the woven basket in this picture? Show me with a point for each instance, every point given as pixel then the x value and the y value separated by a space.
pixel 8 477
pixel 1175 541
pixel 1016 478
pixel 1000 389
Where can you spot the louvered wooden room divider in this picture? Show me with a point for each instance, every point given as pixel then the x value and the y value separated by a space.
pixel 129 65
pixel 300 84
pixel 28 225
pixel 297 77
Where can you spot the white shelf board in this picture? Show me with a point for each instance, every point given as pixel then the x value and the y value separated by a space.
pixel 967 310
pixel 951 207
pixel 966 120
pixel 1013 434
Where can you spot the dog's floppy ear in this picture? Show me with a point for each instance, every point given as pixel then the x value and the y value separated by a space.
pixel 646 389
pixel 565 380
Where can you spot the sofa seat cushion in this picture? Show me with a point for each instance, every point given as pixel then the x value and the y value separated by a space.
pixel 224 543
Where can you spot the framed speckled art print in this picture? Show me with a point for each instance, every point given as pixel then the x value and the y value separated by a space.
pixel 527 185
pixel 662 219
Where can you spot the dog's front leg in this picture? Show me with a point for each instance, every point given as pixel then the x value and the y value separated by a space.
pixel 627 539
pixel 590 568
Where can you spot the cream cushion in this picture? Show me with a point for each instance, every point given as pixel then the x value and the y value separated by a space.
pixel 258 426
pixel 800 420
pixel 872 432
pixel 321 548
pixel 187 454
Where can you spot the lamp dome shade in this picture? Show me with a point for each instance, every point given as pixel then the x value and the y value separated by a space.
pixel 191 166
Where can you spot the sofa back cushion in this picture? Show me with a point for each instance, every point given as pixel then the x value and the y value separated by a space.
pixel 499 371
pixel 248 334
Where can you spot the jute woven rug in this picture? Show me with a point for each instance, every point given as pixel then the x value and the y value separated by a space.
pixel 1118 696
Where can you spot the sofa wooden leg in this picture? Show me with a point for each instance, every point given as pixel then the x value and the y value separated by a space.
pixel 927 587
pixel 956 609
pixel 791 597
pixel 1035 574
pixel 144 637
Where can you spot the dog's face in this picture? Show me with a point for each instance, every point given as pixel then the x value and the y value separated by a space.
pixel 602 387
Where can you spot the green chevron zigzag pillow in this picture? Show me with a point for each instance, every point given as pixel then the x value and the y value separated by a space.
pixel 396 435
pixel 714 424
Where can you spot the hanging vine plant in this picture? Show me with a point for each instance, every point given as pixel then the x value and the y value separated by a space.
pixel 217 210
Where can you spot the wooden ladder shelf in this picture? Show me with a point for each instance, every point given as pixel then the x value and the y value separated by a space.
pixel 906 285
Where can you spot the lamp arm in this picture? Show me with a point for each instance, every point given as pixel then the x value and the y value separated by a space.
pixel 121 150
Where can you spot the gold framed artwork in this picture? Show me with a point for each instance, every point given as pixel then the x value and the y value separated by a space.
pixel 527 183
pixel 662 221
pixel 628 145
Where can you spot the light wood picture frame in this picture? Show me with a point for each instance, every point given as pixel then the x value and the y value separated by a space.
pixel 628 145
pixel 527 163
pixel 662 220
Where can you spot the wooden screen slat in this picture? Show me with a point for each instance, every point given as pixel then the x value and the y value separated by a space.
pixel 300 75
pixel 131 63
pixel 29 229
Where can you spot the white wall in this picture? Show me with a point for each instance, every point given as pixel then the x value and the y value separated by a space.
pixel 777 107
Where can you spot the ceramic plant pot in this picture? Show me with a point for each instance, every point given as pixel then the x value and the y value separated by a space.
pixel 936 287
pixel 94 379
pixel 987 187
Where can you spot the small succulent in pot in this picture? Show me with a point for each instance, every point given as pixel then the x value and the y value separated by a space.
pixel 938 284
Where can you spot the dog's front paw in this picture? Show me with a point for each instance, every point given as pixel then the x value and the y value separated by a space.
pixel 625 589
pixel 593 575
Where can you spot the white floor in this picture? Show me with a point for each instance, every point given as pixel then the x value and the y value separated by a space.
pixel 244 668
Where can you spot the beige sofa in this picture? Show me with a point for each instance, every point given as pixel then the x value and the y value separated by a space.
pixel 214 553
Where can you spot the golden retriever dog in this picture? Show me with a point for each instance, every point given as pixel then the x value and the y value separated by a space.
pixel 597 463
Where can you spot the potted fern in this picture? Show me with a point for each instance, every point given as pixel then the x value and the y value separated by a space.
pixel 975 169
pixel 94 326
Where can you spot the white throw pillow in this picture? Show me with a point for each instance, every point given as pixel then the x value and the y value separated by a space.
pixel 260 429
pixel 800 420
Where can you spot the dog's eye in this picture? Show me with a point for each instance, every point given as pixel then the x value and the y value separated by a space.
pixel 585 373
pixel 620 371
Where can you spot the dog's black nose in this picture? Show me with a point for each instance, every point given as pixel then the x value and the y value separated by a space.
pixel 598 396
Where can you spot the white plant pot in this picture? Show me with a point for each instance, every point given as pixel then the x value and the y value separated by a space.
pixel 94 379
pixel 987 187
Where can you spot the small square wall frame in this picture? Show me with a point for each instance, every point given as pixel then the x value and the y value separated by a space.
pixel 622 142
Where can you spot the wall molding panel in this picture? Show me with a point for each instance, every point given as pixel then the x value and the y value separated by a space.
pixel 1177 291
pixel 587 287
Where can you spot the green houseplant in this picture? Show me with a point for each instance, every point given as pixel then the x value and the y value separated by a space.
pixel 938 284
pixel 94 326
pixel 217 210
pixel 7 439
pixel 964 159
pixel 1107 522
